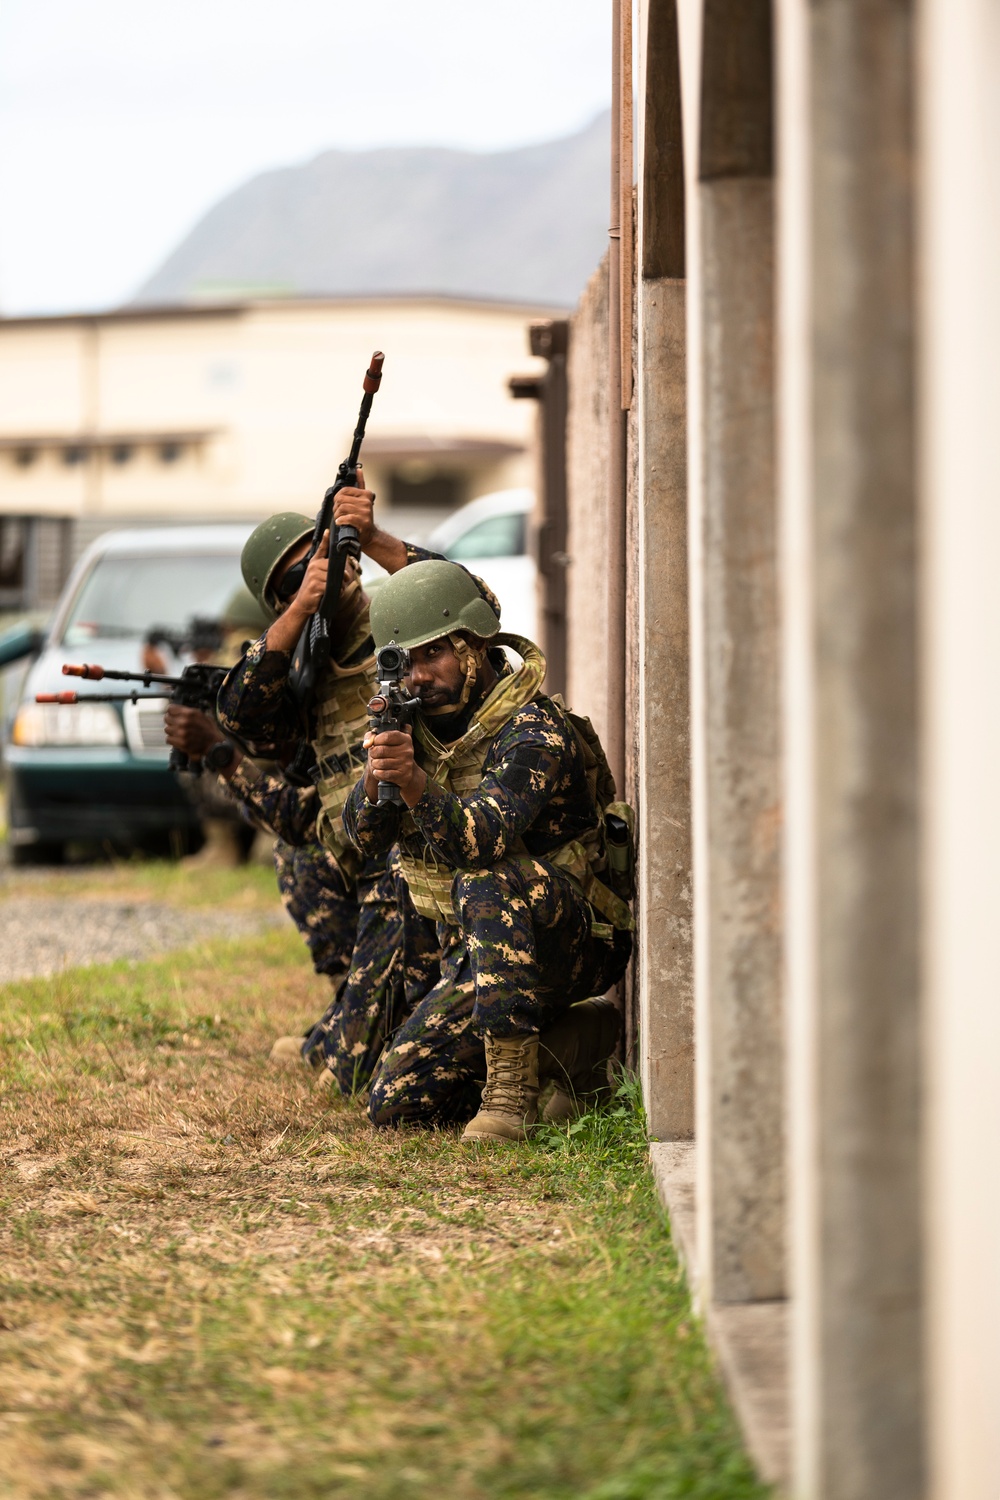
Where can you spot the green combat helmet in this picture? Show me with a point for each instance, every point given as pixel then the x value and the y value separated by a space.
pixel 427 600
pixel 241 611
pixel 265 547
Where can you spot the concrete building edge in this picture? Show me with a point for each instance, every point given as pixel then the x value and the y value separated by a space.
pixel 794 461
pixel 749 1339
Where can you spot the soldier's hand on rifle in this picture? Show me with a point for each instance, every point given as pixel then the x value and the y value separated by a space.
pixel 288 626
pixel 153 659
pixel 390 758
pixel 355 506
pixel 310 596
pixel 190 730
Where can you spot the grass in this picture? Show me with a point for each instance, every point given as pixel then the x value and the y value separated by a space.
pixel 250 887
pixel 219 1281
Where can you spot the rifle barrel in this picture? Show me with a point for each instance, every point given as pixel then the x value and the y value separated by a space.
pixel 96 674
pixel 134 697
pixel 372 381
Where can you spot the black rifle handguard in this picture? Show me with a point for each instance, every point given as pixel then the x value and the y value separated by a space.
pixel 312 653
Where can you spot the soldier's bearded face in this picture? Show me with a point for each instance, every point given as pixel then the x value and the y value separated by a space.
pixel 435 675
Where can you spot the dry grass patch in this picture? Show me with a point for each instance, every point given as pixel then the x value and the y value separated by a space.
pixel 249 888
pixel 219 1281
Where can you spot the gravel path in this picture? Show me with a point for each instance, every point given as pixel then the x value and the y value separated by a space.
pixel 41 936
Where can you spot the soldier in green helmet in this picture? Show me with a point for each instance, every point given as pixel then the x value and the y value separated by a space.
pixel 358 899
pixel 501 830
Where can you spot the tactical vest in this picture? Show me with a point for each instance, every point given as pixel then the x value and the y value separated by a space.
pixel 341 724
pixel 458 768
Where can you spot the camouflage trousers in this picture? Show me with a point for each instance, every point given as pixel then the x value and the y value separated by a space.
pixel 394 963
pixel 323 906
pixel 524 953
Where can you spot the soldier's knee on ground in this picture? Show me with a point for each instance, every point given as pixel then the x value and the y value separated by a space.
pixel 392 1102
pixel 497 882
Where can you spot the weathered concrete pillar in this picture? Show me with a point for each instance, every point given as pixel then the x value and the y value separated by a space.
pixel 737 810
pixel 665 982
pixel 853 909
pixel 587 657
pixel 742 1228
pixel 666 991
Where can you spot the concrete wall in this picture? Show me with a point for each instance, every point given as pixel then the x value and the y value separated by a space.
pixel 960 521
pixel 852 706
pixel 849 502
pixel 587 490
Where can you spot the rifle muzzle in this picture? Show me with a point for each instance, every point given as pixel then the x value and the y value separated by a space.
pixel 374 376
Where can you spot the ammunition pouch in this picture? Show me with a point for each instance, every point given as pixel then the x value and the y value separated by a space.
pixel 341 724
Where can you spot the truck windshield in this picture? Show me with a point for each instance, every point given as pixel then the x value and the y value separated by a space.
pixel 123 597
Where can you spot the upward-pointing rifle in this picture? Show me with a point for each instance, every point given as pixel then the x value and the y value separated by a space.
pixel 312 652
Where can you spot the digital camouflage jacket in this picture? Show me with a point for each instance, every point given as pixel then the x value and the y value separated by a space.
pixel 270 802
pixel 533 797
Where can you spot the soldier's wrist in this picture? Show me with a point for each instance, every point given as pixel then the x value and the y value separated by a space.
pixel 415 787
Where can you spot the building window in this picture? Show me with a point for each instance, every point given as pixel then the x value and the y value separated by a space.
pixel 34 560
pixel 73 455
pixel 170 452
pixel 13 561
pixel 121 453
pixel 25 457
pixel 433 492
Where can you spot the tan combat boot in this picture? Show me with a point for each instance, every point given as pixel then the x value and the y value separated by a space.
pixel 287 1052
pixel 510 1094
pixel 221 850
pixel 574 1053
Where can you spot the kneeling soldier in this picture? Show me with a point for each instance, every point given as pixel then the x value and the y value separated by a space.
pixel 501 835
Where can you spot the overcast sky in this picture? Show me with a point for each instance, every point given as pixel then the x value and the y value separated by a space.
pixel 121 121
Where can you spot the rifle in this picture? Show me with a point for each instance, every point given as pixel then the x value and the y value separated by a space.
pixel 392 707
pixel 197 687
pixel 200 634
pixel 312 652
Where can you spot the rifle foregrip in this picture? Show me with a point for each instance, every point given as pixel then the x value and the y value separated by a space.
pixel 348 541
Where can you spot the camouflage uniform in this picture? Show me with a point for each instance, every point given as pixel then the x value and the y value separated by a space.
pixel 395 962
pixel 390 953
pixel 353 928
pixel 521 942
pixel 320 901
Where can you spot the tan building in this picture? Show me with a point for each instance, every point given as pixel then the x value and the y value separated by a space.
pixel 232 412
pixel 783 527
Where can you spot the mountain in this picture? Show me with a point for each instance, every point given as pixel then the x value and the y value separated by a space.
pixel 527 225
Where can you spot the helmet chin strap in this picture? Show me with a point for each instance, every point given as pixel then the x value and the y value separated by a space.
pixel 350 589
pixel 470 659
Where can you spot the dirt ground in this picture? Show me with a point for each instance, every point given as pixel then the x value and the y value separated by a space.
pixel 218 1279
